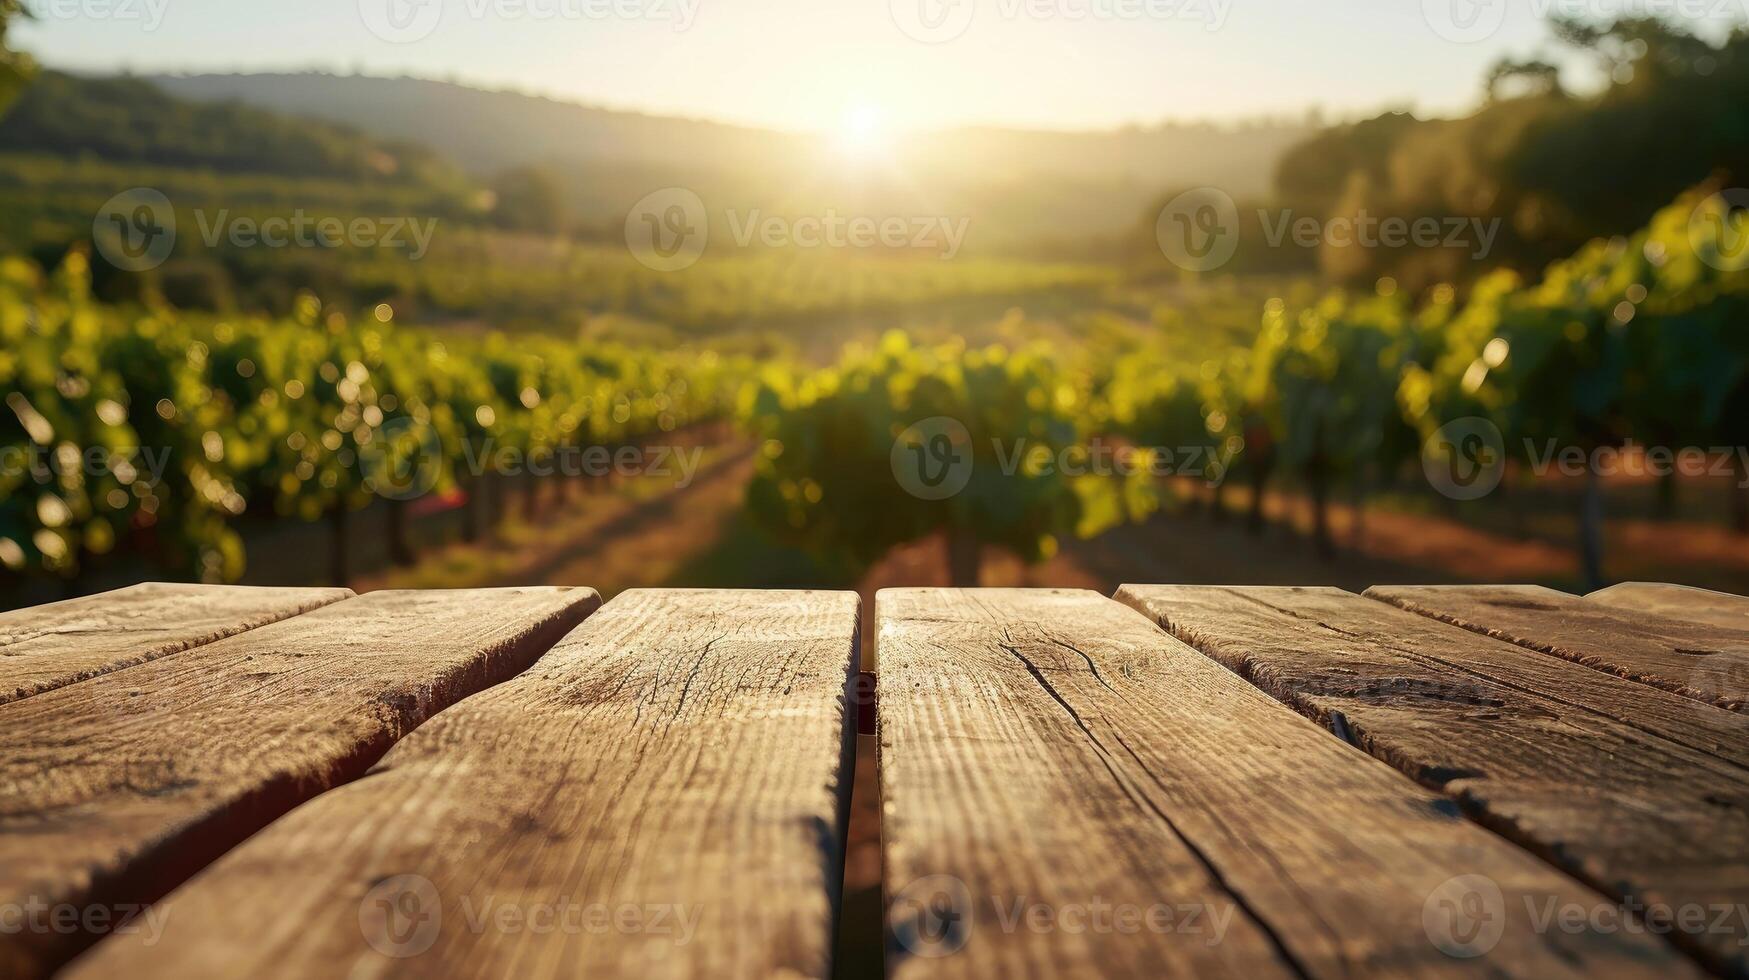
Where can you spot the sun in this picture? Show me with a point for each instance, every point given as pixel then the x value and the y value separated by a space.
pixel 862 132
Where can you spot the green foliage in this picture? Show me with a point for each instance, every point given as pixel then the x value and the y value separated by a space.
pixel 1327 377
pixel 294 417
pixel 1639 336
pixel 1178 405
pixel 826 474
pixel 539 286
pixel 299 416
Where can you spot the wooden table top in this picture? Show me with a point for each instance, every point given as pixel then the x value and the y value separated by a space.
pixel 1177 780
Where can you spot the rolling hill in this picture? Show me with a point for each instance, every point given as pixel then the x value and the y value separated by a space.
pixel 1019 186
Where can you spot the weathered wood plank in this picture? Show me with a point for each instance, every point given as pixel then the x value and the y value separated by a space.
pixel 1698 660
pixel 114 789
pixel 1642 793
pixel 683 759
pixel 45 647
pixel 1683 603
pixel 1052 749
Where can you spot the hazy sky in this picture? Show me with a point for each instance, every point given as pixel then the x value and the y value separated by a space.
pixel 810 64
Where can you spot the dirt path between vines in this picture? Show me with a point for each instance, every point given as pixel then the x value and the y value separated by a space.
pixel 631 535
pixel 646 532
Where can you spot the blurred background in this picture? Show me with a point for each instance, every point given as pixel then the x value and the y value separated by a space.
pixel 427 293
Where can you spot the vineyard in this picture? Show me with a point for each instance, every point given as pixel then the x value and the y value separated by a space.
pixel 156 430
pixel 1634 339
pixel 153 430
pixel 470 271
pixel 1028 392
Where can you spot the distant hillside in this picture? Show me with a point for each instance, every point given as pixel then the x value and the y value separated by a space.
pixel 484 131
pixel 1018 186
pixel 493 130
pixel 1240 158
pixel 127 120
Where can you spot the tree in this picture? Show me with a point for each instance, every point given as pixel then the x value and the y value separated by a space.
pixel 1533 76
pixel 528 199
pixel 15 67
pixel 1316 173
pixel 1673 110
pixel 1636 51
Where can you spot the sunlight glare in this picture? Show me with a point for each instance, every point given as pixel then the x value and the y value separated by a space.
pixel 861 132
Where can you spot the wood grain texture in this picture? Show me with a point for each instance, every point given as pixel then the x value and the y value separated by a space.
pixel 1682 603
pixel 1694 659
pixel 1642 793
pixel 683 759
pixel 45 647
pixel 1053 749
pixel 114 789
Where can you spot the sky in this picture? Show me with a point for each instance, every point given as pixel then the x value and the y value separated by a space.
pixel 823 65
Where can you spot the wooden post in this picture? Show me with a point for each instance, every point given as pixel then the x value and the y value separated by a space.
pixel 1591 530
pixel 337 566
pixel 1740 496
pixel 964 561
pixel 471 488
pixel 400 546
pixel 1318 481
pixel 530 497
pixel 1259 467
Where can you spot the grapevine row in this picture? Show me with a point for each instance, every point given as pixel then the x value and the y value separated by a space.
pixel 157 430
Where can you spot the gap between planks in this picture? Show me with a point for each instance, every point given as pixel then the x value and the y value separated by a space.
pixel 1694 658
pixel 51 646
pixel 687 755
pixel 1639 792
pixel 1052 749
